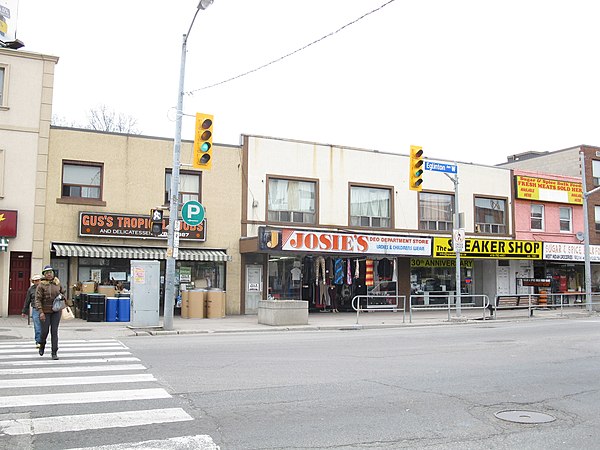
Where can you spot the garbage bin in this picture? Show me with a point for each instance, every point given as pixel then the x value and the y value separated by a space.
pixel 215 304
pixel 111 309
pixel 95 309
pixel 196 299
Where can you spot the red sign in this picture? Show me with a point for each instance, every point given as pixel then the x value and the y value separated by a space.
pixel 8 223
pixel 133 226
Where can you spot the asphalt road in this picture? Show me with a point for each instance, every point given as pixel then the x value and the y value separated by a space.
pixel 435 387
pixel 430 387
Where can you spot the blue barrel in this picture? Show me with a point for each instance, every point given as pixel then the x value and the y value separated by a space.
pixel 123 309
pixel 111 309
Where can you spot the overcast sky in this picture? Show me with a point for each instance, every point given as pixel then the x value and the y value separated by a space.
pixel 469 80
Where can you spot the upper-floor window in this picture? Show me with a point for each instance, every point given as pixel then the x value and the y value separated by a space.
pixel 537 217
pixel 189 186
pixel 435 211
pixel 490 215
pixel 2 87
pixel 370 207
pixel 82 180
pixel 565 218
pixel 596 172
pixel 291 201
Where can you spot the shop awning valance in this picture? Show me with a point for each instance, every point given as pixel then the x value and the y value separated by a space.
pixel 105 251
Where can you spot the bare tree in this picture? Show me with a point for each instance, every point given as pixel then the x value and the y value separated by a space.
pixel 102 118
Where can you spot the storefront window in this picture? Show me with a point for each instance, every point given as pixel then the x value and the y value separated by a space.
pixel 370 207
pixel 435 211
pixel 490 215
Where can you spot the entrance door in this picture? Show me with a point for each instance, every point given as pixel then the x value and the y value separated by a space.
pixel 20 274
pixel 254 288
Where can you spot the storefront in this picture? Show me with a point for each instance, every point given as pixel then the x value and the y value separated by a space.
pixel 104 264
pixel 328 269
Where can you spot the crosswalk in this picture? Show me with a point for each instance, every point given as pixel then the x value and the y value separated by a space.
pixel 100 380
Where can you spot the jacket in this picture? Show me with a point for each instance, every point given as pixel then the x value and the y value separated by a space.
pixel 45 294
pixel 29 299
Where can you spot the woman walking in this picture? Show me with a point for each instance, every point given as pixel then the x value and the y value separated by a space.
pixel 35 315
pixel 48 289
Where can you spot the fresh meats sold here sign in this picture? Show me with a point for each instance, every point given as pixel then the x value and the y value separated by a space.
pixel 323 241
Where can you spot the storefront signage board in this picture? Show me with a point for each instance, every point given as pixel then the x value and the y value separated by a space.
pixel 111 225
pixel 489 248
pixel 543 189
pixel 560 251
pixel 355 243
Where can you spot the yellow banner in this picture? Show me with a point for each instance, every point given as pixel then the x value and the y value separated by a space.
pixel 489 248
pixel 543 189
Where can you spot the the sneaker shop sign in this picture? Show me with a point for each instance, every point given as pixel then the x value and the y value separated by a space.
pixel 113 225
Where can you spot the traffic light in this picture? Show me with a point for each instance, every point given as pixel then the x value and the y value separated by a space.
pixel 157 222
pixel 203 142
pixel 416 168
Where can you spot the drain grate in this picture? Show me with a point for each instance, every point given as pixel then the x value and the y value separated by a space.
pixel 524 416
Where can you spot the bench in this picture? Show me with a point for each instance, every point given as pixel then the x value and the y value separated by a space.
pixel 517 301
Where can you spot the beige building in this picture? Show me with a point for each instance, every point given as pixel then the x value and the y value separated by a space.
pixel 26 85
pixel 100 192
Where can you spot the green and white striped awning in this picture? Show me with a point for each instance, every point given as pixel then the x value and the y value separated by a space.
pixel 105 251
pixel 3 244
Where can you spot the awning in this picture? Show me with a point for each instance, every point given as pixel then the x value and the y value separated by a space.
pixel 105 251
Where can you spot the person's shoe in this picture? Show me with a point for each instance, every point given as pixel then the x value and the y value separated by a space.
pixel 42 350
pixel 54 356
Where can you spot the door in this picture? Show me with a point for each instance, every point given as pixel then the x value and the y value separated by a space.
pixel 20 274
pixel 254 288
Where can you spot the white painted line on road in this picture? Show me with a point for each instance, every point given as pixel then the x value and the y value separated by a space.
pixel 41 361
pixel 70 354
pixel 198 442
pixel 67 381
pixel 71 398
pixel 49 369
pixel 61 424
pixel 65 348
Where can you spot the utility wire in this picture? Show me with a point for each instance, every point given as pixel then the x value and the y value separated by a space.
pixel 281 58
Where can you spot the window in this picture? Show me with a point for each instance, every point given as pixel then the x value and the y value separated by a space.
pixel 370 207
pixel 596 172
pixel 537 217
pixel 291 201
pixel 435 211
pixel 490 215
pixel 2 87
pixel 82 180
pixel 189 187
pixel 597 217
pixel 565 219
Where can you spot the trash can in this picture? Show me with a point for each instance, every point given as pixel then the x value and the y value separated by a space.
pixel 111 309
pixel 215 303
pixel 196 299
pixel 95 309
pixel 123 309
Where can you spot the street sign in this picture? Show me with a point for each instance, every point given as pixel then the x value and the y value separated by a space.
pixel 440 167
pixel 192 213
pixel 458 240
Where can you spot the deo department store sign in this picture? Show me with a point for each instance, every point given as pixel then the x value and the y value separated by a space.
pixel 133 226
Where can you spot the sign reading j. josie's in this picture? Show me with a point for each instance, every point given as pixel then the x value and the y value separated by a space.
pixel 132 226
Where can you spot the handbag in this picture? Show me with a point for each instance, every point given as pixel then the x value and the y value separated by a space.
pixel 67 313
pixel 59 303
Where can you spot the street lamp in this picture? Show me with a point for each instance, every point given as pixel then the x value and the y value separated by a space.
pixel 172 245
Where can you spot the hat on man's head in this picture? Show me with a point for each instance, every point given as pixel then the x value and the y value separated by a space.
pixel 36 278
pixel 47 268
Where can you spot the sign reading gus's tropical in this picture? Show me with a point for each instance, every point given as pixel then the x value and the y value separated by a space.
pixel 489 248
pixel 326 241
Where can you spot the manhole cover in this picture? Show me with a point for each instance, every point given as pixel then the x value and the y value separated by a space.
pixel 524 416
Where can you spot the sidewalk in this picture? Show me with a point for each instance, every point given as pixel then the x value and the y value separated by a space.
pixel 14 327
